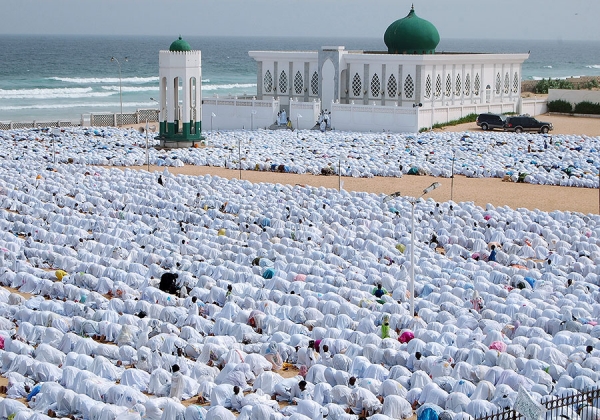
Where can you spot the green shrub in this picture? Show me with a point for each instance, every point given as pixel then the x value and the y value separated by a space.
pixel 543 85
pixel 590 84
pixel 560 105
pixel 587 108
pixel 466 119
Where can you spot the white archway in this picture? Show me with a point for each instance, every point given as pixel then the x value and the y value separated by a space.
pixel 327 83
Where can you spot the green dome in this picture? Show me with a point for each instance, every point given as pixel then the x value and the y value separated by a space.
pixel 180 45
pixel 411 35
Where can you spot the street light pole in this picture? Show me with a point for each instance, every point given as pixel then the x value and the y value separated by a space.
pixel 298 116
pixel 252 114
pixel 55 132
pixel 120 84
pixel 412 259
pixel 240 156
pixel 147 152
pixel 452 177
pixel 413 203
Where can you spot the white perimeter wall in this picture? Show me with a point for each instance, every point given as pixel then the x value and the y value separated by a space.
pixel 352 117
pixel 233 114
pixel 236 114
pixel 308 110
pixel 574 96
pixel 533 107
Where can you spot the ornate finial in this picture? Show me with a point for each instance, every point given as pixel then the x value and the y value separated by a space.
pixel 180 36
pixel 412 7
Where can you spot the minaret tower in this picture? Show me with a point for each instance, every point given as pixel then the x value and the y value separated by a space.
pixel 180 72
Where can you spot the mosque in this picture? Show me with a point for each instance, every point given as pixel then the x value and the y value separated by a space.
pixel 407 88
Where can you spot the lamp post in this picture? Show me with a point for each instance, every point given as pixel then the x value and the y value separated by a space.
pixel 413 203
pixel 147 151
pixel 240 156
pixel 452 176
pixel 212 115
pixel 120 83
pixel 298 116
pixel 55 132
pixel 252 114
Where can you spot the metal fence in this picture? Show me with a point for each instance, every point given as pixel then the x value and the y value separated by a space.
pixel 36 124
pixel 137 117
pixel 578 405
pixel 99 120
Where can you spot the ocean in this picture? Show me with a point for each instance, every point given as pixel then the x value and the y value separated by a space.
pixel 61 77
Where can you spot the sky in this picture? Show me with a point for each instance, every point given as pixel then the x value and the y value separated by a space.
pixel 458 19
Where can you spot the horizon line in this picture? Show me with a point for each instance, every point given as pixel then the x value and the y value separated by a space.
pixel 283 37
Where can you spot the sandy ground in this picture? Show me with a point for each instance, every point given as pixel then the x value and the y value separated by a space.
pixel 588 126
pixel 481 191
pixel 478 190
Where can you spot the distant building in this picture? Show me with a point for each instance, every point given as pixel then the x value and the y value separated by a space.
pixel 406 88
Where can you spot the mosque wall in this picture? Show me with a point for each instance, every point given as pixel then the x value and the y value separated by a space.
pixel 236 114
pixel 353 117
pixel 450 84
pixel 287 75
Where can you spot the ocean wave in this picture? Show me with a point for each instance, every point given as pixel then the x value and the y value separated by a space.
pixel 547 67
pixel 57 93
pixel 228 86
pixel 593 66
pixel 132 88
pixel 85 80
pixel 555 77
pixel 114 105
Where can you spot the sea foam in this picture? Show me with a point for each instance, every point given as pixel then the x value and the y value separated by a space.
pixel 77 105
pixel 55 93
pixel 86 80
pixel 228 86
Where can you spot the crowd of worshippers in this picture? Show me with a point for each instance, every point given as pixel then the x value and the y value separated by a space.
pixel 567 160
pixel 283 278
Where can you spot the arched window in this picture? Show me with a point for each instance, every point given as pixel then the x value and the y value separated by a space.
pixel 409 87
pixel 498 84
pixel 467 90
pixel 458 86
pixel 298 83
pixel 448 86
pixel 477 85
pixel 268 81
pixel 356 85
pixel 428 87
pixel 438 86
pixel 516 83
pixel 392 87
pixel 375 86
pixel 283 82
pixel 506 83
pixel 192 92
pixel 314 83
pixel 193 88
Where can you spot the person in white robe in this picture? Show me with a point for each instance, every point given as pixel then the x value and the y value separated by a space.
pixel 177 383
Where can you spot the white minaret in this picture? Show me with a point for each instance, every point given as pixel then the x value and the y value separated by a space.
pixel 180 72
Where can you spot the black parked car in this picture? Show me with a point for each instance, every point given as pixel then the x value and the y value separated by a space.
pixel 525 123
pixel 489 121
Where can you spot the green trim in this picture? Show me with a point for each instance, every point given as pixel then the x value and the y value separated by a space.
pixel 167 131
